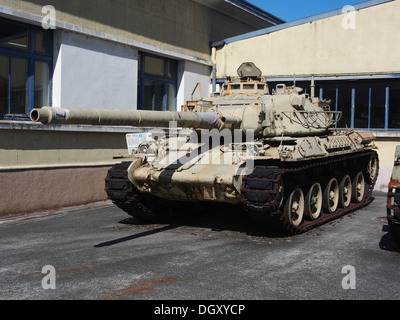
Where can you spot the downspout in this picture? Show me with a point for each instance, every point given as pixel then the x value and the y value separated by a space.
pixel 214 46
pixel 214 69
pixel 312 87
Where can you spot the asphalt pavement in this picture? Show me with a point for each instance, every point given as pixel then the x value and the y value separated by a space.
pixel 97 252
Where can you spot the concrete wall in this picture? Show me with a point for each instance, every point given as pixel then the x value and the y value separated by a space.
pixel 191 74
pixel 182 26
pixel 30 145
pixel 93 73
pixel 44 168
pixel 29 190
pixel 323 47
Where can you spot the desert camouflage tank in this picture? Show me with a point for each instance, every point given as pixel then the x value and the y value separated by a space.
pixel 393 203
pixel 275 154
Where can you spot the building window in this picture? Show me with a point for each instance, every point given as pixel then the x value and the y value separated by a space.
pixel 25 69
pixel 157 85
pixel 365 104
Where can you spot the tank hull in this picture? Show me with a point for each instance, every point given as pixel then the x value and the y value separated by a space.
pixel 265 192
pixel 192 170
pixel 199 183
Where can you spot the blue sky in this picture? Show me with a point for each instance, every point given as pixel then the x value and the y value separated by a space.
pixel 290 10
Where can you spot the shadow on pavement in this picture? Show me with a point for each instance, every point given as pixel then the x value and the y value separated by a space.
pixel 224 218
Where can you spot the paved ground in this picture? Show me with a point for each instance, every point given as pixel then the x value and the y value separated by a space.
pixel 98 252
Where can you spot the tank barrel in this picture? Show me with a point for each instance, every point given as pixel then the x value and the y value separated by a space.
pixel 135 118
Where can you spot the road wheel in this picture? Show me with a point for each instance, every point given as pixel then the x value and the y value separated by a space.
pixel 373 168
pixel 294 208
pixel 331 197
pixel 313 202
pixel 358 188
pixel 345 191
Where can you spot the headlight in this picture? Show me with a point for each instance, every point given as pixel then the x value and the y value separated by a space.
pixel 143 148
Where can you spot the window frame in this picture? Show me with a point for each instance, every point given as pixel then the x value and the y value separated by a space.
pixel 32 57
pixel 165 80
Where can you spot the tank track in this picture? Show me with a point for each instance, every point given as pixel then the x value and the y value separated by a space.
pixel 263 200
pixel 125 196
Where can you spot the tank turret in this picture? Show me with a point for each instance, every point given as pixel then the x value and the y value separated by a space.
pixel 277 154
pixel 244 103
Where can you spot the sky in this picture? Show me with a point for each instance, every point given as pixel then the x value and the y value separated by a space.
pixel 290 10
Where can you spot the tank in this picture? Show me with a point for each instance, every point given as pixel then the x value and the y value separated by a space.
pixel 276 155
pixel 393 203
